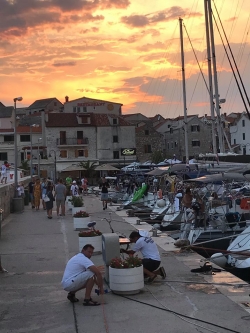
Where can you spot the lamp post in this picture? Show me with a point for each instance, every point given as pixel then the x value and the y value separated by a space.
pixel 19 99
pixel 54 152
pixel 38 146
pixel 31 152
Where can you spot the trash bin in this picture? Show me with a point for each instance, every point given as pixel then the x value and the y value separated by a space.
pixel 26 197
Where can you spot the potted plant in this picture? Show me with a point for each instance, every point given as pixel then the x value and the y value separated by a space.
pixel 77 202
pixel 126 275
pixel 93 237
pixel 81 220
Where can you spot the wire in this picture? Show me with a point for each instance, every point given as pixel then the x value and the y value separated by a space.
pixel 179 314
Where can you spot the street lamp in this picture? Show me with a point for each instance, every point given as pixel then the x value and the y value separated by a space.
pixel 54 152
pixel 38 156
pixel 31 157
pixel 17 99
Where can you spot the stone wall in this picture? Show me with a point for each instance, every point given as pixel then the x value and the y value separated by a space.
pixel 7 194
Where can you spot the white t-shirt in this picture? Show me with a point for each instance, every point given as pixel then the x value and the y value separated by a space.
pixel 75 266
pixel 148 248
pixel 3 169
pixel 74 189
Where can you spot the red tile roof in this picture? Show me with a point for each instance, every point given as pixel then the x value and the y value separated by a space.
pixel 70 120
pixel 26 129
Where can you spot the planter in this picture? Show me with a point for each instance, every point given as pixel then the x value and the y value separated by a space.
pixel 95 241
pixel 126 281
pixel 81 223
pixel 67 198
pixel 70 206
pixel 76 209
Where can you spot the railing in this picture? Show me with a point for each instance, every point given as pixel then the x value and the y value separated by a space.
pixel 72 141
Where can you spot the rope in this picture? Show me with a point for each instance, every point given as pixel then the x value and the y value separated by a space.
pixel 181 315
pixel 104 315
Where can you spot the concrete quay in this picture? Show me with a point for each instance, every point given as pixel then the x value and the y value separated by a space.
pixel 35 250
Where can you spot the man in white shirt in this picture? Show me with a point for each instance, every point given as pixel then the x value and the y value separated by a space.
pixel 151 256
pixel 74 189
pixel 81 273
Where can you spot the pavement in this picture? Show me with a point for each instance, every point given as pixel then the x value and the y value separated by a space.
pixel 35 250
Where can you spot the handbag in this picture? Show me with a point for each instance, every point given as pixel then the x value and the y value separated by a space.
pixel 46 198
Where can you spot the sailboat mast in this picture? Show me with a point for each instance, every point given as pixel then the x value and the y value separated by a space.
pixel 216 89
pixel 184 91
pixel 210 78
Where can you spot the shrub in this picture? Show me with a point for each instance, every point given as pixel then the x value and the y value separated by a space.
pixel 81 213
pixel 129 262
pixel 77 201
pixel 90 233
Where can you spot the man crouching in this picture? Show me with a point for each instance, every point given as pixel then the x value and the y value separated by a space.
pixel 81 273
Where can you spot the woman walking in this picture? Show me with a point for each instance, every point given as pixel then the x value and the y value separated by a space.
pixel 104 193
pixel 37 194
pixel 49 204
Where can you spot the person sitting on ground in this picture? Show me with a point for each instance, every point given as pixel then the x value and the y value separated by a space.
pixel 60 195
pixel 81 273
pixel 151 257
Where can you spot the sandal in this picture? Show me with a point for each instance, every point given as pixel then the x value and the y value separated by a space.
pixel 162 272
pixel 72 298
pixel 151 279
pixel 90 302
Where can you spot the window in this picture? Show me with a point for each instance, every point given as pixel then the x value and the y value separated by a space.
pixel 78 109
pixel 147 149
pixel 234 141
pixel 195 143
pixel 79 135
pixel 22 157
pixel 84 109
pixel 85 119
pixel 74 108
pixel 244 136
pixel 195 128
pixel 81 153
pixel 172 145
pixel 63 153
pixel 115 138
pixel 115 121
pixel 25 138
pixel 116 154
pixel 3 156
pixel 146 132
pixel 171 130
pixel 175 144
pixel 8 138
pixel 169 125
pixel 63 137
pixel 243 123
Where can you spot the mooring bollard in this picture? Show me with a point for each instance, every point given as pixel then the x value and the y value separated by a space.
pixel 154 233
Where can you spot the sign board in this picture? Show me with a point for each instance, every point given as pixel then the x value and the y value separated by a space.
pixel 128 151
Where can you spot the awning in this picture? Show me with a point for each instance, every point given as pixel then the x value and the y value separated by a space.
pixel 106 167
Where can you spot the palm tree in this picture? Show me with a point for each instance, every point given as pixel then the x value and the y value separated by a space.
pixel 90 169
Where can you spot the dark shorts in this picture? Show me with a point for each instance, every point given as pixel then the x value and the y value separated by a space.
pixel 150 264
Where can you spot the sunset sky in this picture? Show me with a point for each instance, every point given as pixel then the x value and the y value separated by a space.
pixel 125 51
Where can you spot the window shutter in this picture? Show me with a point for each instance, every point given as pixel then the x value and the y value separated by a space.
pixel 198 128
pixel 86 153
pixel 76 153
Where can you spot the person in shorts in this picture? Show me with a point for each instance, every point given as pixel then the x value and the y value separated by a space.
pixel 60 195
pixel 151 257
pixel 104 185
pixel 81 273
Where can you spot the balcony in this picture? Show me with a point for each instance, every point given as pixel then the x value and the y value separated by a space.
pixel 72 142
